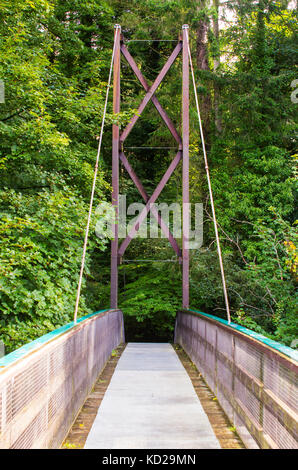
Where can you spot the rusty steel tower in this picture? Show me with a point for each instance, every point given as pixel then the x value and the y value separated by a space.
pixel 182 154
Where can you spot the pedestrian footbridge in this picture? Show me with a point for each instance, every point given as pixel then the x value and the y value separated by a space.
pixel 150 401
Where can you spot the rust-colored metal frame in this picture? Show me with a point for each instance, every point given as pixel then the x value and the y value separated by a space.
pixel 182 154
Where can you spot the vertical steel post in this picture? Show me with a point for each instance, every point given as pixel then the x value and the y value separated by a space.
pixel 115 171
pixel 185 169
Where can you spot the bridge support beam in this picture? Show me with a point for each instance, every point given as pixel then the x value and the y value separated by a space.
pixel 182 154
pixel 115 174
pixel 185 170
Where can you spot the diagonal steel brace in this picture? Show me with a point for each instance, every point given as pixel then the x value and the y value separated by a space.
pixel 151 91
pixel 154 99
pixel 146 198
pixel 149 203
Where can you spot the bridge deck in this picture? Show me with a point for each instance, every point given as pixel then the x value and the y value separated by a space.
pixel 149 404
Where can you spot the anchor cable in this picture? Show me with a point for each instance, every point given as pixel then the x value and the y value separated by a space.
pixel 118 29
pixel 209 185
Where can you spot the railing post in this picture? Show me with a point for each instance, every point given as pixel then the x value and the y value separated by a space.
pixel 185 168
pixel 215 361
pixel 262 359
pixel 233 374
pixel 115 172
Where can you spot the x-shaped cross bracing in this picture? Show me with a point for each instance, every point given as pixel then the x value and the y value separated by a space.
pixel 150 206
pixel 150 200
pixel 182 154
pixel 150 93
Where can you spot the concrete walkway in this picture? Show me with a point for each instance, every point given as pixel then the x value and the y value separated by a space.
pixel 151 404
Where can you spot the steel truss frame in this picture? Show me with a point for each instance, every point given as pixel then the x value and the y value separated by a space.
pixel 182 154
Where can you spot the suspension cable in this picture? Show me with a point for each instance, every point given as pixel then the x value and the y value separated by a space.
pixel 118 30
pixel 209 185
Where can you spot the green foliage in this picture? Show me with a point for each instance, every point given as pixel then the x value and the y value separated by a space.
pixel 275 272
pixel 150 303
pixel 54 60
pixel 55 86
pixel 40 258
pixel 262 292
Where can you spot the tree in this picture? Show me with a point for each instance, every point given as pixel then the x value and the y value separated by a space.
pixel 54 87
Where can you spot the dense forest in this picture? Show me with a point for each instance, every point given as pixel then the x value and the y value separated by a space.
pixel 54 63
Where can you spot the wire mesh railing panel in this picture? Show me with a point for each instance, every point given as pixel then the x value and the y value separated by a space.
pixel 60 398
pixel 244 433
pixel 27 384
pixel 282 382
pixel 224 375
pixel 201 328
pixel 211 335
pixel 225 343
pixel 224 401
pixel 210 366
pixel 248 357
pixel 5 406
pixel 273 426
pixel 31 436
pixel 42 392
pixel 199 354
pixel 60 358
pixel 248 400
pixel 254 379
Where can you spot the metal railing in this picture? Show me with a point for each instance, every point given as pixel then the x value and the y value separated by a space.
pixel 44 384
pixel 253 378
